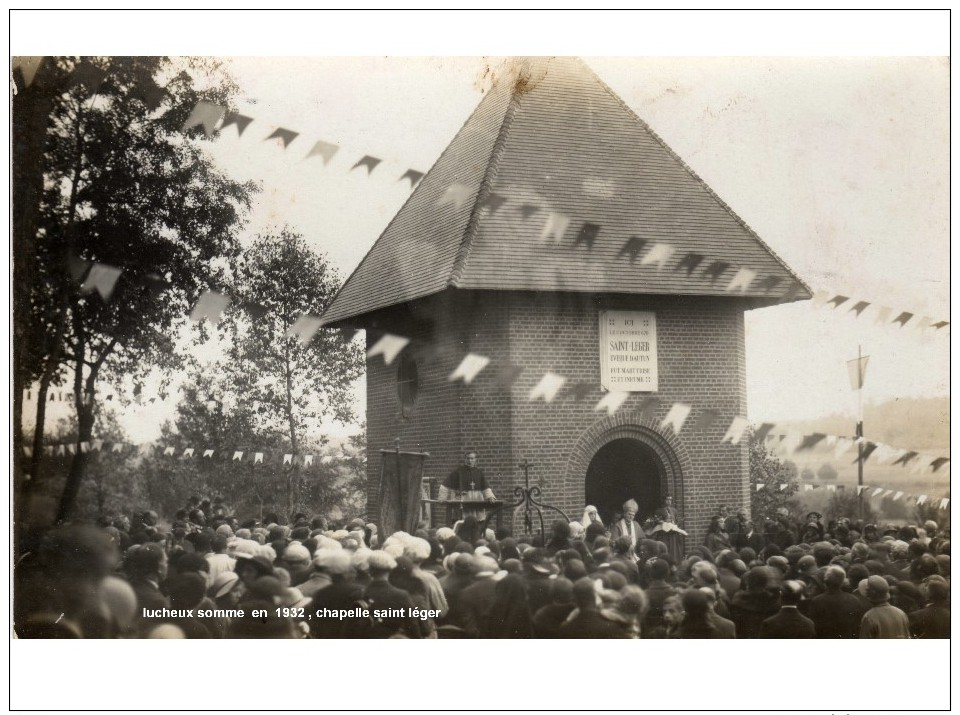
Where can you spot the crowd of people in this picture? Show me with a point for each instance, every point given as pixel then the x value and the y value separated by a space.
pixel 209 575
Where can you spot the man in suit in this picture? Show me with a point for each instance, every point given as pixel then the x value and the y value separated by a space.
pixel 789 622
pixel 588 623
pixel 628 525
pixel 934 620
pixel 835 613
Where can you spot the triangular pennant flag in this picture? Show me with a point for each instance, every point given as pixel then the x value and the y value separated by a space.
pixel 28 67
pixel 762 431
pixel 885 454
pixel 659 253
pixel 886 493
pixel 921 464
pixel 783 486
pixel 736 430
pixel 210 306
pixel 741 280
pixel 861 488
pixel 795 290
pixel 168 450
pixel 819 298
pixel 706 418
pixel 839 300
pixel 78 267
pixel 284 135
pixel 611 402
pixel 528 210
pixel 84 447
pixel 876 491
pixel 89 76
pixel 117 447
pixel 304 328
pixel 188 452
pixel 370 162
pixel 469 367
pixel 905 458
pixel 61 449
pixel 28 451
pixel 648 408
pixel 689 262
pixel 508 374
pixel 328 151
pixel 492 201
pixel 831 487
pixel 883 315
pixel 939 462
pixel 769 283
pixel 807 487
pixel 940 324
pixel 413 175
pixel 716 269
pixel 587 234
pixel 676 417
pixel 96 445
pixel 389 346
pixel 240 120
pixel 903 318
pixel 288 459
pixel 868 449
pixel 208 453
pixel 860 307
pixel 921 499
pixel 547 388
pixel 843 446
pixel 580 390
pixel 634 246
pixel 205 114
pixel 237 456
pixel 840 487
pixel 326 459
pixel 307 460
pixel 101 278
pixel 554 227
pixel 456 194
pixel 943 503
pixel 760 486
pixel 72 448
pixel 810 441
pixel 897 496
pixel 831 441
pixel 254 310
pixel 258 457
pixel 923 324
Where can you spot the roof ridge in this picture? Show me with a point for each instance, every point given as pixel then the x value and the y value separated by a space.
pixel 413 193
pixel 693 173
pixel 496 153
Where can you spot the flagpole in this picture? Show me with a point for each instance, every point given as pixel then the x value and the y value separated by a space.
pixel 860 434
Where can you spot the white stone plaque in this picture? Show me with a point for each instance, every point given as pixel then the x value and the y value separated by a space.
pixel 628 350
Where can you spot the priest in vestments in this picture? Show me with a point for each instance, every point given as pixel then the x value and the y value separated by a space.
pixel 467 483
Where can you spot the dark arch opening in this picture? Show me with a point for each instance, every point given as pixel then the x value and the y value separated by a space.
pixel 624 469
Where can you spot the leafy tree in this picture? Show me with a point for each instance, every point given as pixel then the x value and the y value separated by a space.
pixel 845 503
pixel 288 385
pixel 122 186
pixel 769 471
pixel 827 472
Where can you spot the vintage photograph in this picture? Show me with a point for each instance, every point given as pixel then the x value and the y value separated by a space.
pixel 538 346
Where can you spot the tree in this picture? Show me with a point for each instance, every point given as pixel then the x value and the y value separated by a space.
pixel 769 471
pixel 289 385
pixel 845 503
pixel 122 186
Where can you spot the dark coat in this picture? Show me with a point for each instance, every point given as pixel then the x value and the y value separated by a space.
pixel 547 621
pixel 930 622
pixel 340 595
pixel 590 624
pixel 836 615
pixel 749 610
pixel 788 623
pixel 475 603
pixel 380 596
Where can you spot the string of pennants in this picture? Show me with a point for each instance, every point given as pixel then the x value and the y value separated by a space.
pixel 875 491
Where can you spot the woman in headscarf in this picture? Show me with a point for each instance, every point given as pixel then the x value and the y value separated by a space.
pixel 509 616
pixel 590 516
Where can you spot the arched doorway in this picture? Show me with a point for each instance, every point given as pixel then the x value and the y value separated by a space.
pixel 622 469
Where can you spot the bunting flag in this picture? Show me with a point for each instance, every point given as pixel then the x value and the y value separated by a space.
pixel 117 447
pixel 903 318
pixel 795 290
pixel 690 263
pixel 284 135
pixel 587 234
pixel 868 449
pixel 810 441
pixel 469 367
pixel 205 114
pixel 102 278
pixel 288 459
pixel 676 417
pixel 760 486
pixel 28 67
pixel 554 227
pixel 839 300
pixel 905 458
pixel 210 306
pixel 883 315
pixel 943 502
pixel 168 450
pixel 897 496
pixel 528 210
pixel 580 391
pixel 27 451
pixel 860 307
pixel 412 175
pixel 188 452
pixel 876 491
pixel 763 430
pixel 611 402
pixel 807 487
pixel 860 489
pixel 258 457
pixel 304 328
pixel 547 388
pixel 237 456
pixel 492 201
pixel 633 247
pixel 716 269
pixel 240 120
pixel 62 450
pixel 370 162
pixel 706 418
pixel 769 283
pixel 819 298
pixel 326 459
pixel 741 280
pixel 307 460
pixel 208 453
pixel 736 430
pixel 939 462
pixel 886 493
pixel 940 324
pixel 87 75
pixel 72 448
pixel 84 447
pixel 328 151
pixel 923 324
pixel 885 453
pixel 96 445
pixel 831 487
pixel 843 446
pixel 508 374
pixel 659 253
pixel 783 486
pixel 389 346
pixel 921 499
pixel 456 194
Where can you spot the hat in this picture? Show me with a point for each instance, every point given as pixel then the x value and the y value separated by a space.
pixel 296 553
pixel 445 532
pixel 355 524
pixel 267 587
pixel 875 589
pixel 333 562
pixel 225 530
pixel 463 564
pixel 263 565
pixel 223 584
pixel 381 561
pixel 631 505
pixel 930 527
pixel 294 598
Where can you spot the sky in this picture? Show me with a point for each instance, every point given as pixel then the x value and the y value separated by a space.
pixel 840 164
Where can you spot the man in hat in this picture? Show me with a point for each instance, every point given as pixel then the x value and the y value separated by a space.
pixel 390 607
pixel 587 621
pixel 343 593
pixel 934 620
pixel 883 620
pixel 835 613
pixel 628 525
pixel 789 622
pixel 467 483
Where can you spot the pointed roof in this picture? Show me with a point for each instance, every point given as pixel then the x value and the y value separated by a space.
pixel 552 147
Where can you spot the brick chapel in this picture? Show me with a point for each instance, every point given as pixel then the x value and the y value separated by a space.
pixel 557 233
